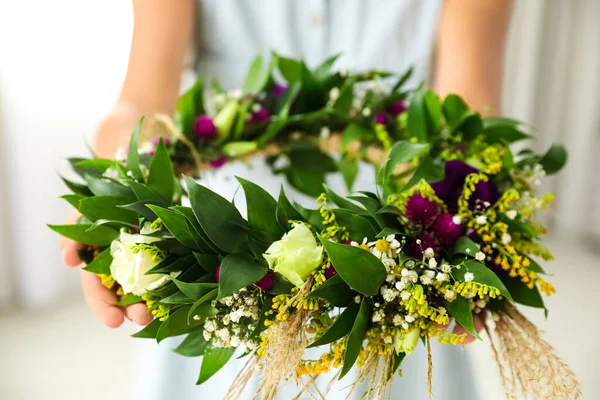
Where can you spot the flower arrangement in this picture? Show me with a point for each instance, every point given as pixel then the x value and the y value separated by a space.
pixel 451 234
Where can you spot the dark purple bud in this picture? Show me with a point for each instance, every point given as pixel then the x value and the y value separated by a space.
pixel 380 119
pixel 420 210
pixel 446 230
pixel 330 272
pixel 204 128
pixel 260 116
pixel 278 90
pixel 266 282
pixel 397 108
pixel 218 272
pixel 427 240
pixel 219 162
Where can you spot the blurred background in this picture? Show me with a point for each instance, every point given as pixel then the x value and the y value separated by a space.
pixel 61 67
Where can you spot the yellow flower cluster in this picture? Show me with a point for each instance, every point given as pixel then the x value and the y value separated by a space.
pixel 518 266
pixel 492 157
pixel 468 189
pixel 477 289
pixel 107 281
pixel 159 310
pixel 417 303
pixel 332 229
pixel 383 136
pixel 443 336
pixel 283 300
pixel 333 359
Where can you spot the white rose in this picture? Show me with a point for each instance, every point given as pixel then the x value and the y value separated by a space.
pixel 130 263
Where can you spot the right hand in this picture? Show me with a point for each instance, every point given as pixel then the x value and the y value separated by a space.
pixel 113 132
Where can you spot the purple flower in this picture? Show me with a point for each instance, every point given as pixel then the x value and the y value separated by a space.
pixel 266 282
pixel 166 141
pixel 260 116
pixel 446 230
pixel 219 162
pixel 428 240
pixel 380 118
pixel 204 128
pixel 420 210
pixel 278 90
pixel 396 108
pixel 330 272
pixel 450 188
pixel 218 272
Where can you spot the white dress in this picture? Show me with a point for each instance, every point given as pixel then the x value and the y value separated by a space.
pixel 382 34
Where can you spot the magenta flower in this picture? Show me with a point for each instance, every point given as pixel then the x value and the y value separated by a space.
pixel 266 282
pixel 330 272
pixel 450 188
pixel 166 141
pixel 260 116
pixel 380 118
pixel 420 210
pixel 396 108
pixel 428 240
pixel 278 90
pixel 446 230
pixel 219 162
pixel 204 128
pixel 218 272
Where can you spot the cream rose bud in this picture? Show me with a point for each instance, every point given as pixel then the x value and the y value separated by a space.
pixel 296 255
pixel 407 342
pixel 131 262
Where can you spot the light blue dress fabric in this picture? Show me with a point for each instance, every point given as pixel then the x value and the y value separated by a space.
pixel 382 34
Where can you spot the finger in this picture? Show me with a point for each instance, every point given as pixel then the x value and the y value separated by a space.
pixel 477 324
pixel 138 314
pixel 101 300
pixel 69 252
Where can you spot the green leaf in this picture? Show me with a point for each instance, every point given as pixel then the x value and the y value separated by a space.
pixel 403 79
pixel 460 309
pixel 144 193
pixel 267 305
pixel 202 308
pixel 101 264
pixel 349 170
pixel 219 219
pixel 192 346
pixel 403 151
pixel 238 271
pixel 257 79
pixel 434 112
pixel 189 106
pixel 97 164
pixel 343 104
pixel 195 290
pixel 105 207
pixel 342 202
pixel 358 227
pixel 178 298
pixel 454 108
pixel 141 207
pixel 523 295
pixel 357 336
pixel 417 118
pixel 290 69
pixel 133 157
pixel 354 132
pixel 398 358
pixel 149 331
pixel 128 300
pixel 353 264
pixel 262 208
pixel 305 181
pixel 503 134
pixel 161 176
pixel 172 264
pixel 73 199
pixel 285 212
pixel 471 126
pixel 202 240
pixel 214 359
pixel 300 153
pixel 177 324
pixel 464 245
pixel 207 261
pixel 322 71
pixel 427 170
pixel 176 224
pixel 535 266
pixel 554 159
pixel 105 187
pixel 340 328
pixel 335 291
pixel 101 236
pixel 77 188
pixel 481 274
pixel 389 231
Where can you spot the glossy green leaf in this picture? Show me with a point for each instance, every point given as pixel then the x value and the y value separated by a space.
pixel 554 159
pixel 133 157
pixel 460 310
pixel 323 70
pixel 267 305
pixel 403 79
pixel 195 290
pixel 219 219
pixel 305 181
pixel 202 307
pixel 349 171
pixel 105 207
pixel 355 340
pixel 335 291
pixel 161 176
pixel 417 118
pixel 523 295
pixel 464 245
pixel 101 264
pixel 141 208
pixel 403 151
pixel 433 106
pixel 238 271
pixel 172 264
pixel 342 202
pixel 262 208
pixel 178 298
pixel 77 188
pixel 340 328
pixel 285 212
pixel 105 187
pixel 311 158
pixel 353 264
pixel 358 227
pixel 454 108
pixel 192 346
pixel 290 69
pixel 149 331
pixel 427 170
pixel 535 266
pixel 129 299
pixel 189 106
pixel 177 324
pixel 98 164
pixel 101 236
pixel 176 224
pixel 481 274
pixel 214 359
pixel 207 261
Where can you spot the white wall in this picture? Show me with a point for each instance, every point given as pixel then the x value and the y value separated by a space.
pixel 61 65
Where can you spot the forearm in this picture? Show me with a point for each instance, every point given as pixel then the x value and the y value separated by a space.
pixel 162 35
pixel 470 51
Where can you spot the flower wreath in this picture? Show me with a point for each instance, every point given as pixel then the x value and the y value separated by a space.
pixel 451 232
